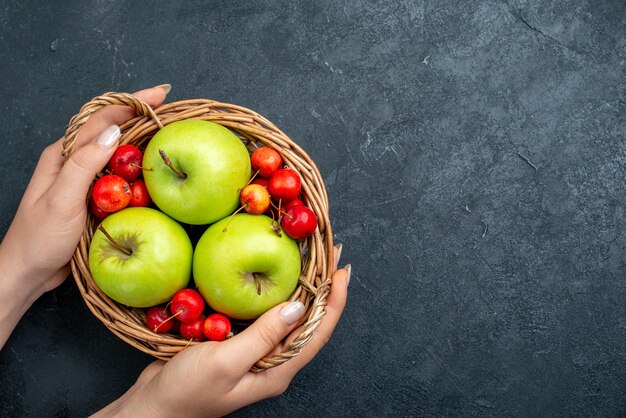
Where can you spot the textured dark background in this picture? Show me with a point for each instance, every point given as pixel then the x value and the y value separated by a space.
pixel 474 153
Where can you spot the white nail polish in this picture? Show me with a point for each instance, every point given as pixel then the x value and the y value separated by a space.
pixel 109 137
pixel 339 247
pixel 292 312
pixel 166 87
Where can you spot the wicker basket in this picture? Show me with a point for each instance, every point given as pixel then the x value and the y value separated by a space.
pixel 254 130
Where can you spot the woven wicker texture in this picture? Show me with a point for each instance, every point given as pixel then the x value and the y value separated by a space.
pixel 255 131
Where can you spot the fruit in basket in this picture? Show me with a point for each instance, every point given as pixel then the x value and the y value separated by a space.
pixel 299 222
pixel 295 202
pixel 284 184
pixel 140 257
pixel 126 162
pixel 246 270
pixel 139 194
pixel 261 181
pixel 96 211
pixel 216 327
pixel 159 320
pixel 193 329
pixel 255 199
pixel 187 305
pixel 267 160
pixel 194 171
pixel 111 193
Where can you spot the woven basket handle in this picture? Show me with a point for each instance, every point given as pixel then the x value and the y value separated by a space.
pixel 97 103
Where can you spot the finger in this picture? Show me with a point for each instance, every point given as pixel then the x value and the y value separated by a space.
pixel 336 303
pixel 253 387
pixel 51 160
pixel 247 347
pixel 72 183
pixel 116 115
pixel 281 347
pixel 47 168
pixel 337 256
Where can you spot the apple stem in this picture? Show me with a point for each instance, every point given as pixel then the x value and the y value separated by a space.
pixel 276 229
pixel 168 319
pixel 168 163
pixel 275 226
pixel 113 242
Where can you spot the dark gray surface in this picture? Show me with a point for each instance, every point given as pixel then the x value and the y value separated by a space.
pixel 474 153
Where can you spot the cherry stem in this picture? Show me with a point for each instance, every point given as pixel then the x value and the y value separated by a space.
pixel 188 343
pixel 276 223
pixel 281 212
pixel 231 217
pixel 168 319
pixel 253 177
pixel 113 242
pixel 142 167
pixel 168 163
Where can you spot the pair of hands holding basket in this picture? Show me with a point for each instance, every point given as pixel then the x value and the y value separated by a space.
pixel 207 379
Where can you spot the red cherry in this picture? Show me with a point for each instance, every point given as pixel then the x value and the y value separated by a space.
pixel 111 193
pixel 126 162
pixel 266 160
pixel 285 184
pixel 158 319
pixel 193 329
pixel 187 305
pixel 291 204
pixel 260 181
pixel 96 211
pixel 299 222
pixel 140 196
pixel 255 199
pixel 216 327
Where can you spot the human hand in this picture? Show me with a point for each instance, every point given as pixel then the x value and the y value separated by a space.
pixel 49 221
pixel 214 379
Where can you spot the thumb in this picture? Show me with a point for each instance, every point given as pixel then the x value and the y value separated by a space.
pixel 260 338
pixel 76 175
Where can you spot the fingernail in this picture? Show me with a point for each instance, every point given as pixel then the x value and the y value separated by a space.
pixel 339 247
pixel 348 267
pixel 166 87
pixel 109 137
pixel 292 312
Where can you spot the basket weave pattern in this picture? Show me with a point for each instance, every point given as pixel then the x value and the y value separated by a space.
pixel 255 131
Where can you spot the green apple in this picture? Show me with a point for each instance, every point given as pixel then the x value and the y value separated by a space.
pixel 242 268
pixel 194 171
pixel 147 258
